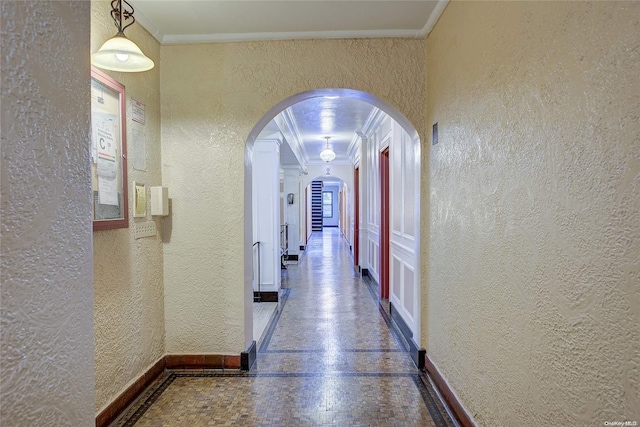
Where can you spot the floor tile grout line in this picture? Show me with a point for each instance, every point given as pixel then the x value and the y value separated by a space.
pixel 417 378
pixel 382 350
pixel 149 401
pixel 435 394
pixel 336 374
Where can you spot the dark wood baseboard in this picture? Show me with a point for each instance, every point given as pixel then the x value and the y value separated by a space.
pixel 447 394
pixel 417 354
pixel 122 402
pixel 169 361
pixel 202 361
pixel 264 296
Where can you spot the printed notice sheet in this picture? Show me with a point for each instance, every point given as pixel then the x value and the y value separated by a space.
pixel 105 141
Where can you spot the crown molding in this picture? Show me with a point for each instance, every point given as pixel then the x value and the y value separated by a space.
pixel 433 18
pixel 287 123
pixel 276 137
pixel 168 39
pixel 148 25
pixel 372 123
pixel 297 35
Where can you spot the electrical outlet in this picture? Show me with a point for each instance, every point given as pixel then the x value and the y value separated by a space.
pixel 145 229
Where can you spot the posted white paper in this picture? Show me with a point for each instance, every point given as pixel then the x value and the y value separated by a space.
pixel 107 191
pixel 106 150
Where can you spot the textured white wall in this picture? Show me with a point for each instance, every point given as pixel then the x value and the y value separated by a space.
pixel 129 297
pixel 534 313
pixel 212 96
pixel 46 352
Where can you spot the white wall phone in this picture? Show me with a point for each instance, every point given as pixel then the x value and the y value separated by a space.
pixel 159 201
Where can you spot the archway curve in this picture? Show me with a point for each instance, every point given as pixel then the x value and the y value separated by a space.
pixel 278 108
pixel 374 100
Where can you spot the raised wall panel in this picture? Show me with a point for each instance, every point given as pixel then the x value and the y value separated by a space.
pixel 374 253
pixel 396 278
pixel 408 281
pixel 404 285
pixel 404 187
pixel 397 195
pixel 409 187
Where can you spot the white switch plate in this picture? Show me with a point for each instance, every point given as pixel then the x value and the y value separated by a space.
pixel 145 229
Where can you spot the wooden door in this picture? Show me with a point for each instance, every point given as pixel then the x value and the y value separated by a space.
pixel 384 224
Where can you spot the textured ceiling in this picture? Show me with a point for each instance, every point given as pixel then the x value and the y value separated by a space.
pixel 338 119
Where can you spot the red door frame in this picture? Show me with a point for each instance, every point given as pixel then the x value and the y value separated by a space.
pixel 356 220
pixel 306 216
pixel 384 224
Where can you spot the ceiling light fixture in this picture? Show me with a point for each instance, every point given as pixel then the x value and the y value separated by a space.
pixel 119 53
pixel 327 154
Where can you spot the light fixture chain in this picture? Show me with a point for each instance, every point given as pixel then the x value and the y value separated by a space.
pixel 120 14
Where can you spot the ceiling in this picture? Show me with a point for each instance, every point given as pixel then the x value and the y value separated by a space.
pixel 305 125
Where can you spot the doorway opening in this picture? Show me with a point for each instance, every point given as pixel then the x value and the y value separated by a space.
pixel 383 152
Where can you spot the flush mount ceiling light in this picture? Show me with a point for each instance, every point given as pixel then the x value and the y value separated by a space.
pixel 119 53
pixel 327 154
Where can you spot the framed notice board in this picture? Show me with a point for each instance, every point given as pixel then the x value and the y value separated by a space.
pixel 108 152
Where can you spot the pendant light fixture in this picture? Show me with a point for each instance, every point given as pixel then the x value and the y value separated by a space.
pixel 119 53
pixel 327 154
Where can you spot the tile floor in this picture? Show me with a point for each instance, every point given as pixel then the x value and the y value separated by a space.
pixel 329 357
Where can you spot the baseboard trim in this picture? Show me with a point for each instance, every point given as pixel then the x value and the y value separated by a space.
pixel 202 361
pixel 264 296
pixel 447 394
pixel 248 358
pixel 417 354
pixel 169 361
pixel 109 414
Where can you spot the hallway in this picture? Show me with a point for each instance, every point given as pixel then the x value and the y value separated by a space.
pixel 329 357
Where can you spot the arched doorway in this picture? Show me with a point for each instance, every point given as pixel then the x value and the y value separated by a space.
pixel 396 134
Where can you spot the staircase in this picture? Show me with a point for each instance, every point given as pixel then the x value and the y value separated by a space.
pixel 316 205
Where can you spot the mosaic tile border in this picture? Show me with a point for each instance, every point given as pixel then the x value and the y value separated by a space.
pixel 379 350
pixel 429 397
